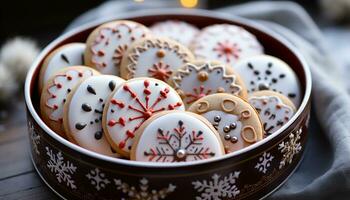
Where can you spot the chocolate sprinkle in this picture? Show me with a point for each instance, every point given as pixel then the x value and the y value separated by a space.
pixel 86 107
pixel 98 135
pixel 91 90
pixel 111 85
pixel 80 126
pixel 64 57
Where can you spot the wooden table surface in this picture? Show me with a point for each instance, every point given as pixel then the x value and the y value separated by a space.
pixel 18 178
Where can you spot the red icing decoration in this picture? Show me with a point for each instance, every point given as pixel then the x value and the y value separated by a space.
pixel 228 50
pixel 145 110
pixel 171 143
pixel 197 94
pixel 160 71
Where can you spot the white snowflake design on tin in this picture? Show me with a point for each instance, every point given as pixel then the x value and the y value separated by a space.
pixel 264 162
pixel 290 148
pixel 60 168
pixel 97 179
pixel 218 188
pixel 35 137
pixel 143 193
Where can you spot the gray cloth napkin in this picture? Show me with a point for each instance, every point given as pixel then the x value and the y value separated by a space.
pixel 325 170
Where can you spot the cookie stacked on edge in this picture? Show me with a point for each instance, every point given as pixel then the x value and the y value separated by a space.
pixel 166 93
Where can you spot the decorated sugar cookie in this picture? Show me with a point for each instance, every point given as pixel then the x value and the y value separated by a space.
pixel 83 113
pixel 269 73
pixel 133 103
pixel 180 31
pixel 154 57
pixel 236 121
pixel 197 79
pixel 274 109
pixel 226 43
pixel 176 136
pixel 55 92
pixel 107 44
pixel 71 54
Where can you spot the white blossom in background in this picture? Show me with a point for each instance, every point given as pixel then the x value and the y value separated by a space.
pixel 60 168
pixel 34 137
pixel 8 84
pixel 290 148
pixel 17 55
pixel 143 192
pixel 97 179
pixel 217 188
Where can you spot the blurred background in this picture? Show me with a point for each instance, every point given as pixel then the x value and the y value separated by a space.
pixel 45 20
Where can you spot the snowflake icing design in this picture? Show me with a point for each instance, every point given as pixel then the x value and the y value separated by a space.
pixel 218 188
pixel 178 145
pixel 144 109
pixel 264 162
pixel 143 193
pixel 160 71
pixel 290 148
pixel 228 50
pixel 97 179
pixel 61 168
pixel 35 137
pixel 197 94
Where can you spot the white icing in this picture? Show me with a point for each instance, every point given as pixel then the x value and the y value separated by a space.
pixel 118 132
pixel 272 111
pixel 177 30
pixel 86 137
pixel 144 57
pixel 113 41
pixel 210 43
pixel 168 122
pixel 59 94
pixel 225 120
pixel 286 85
pixel 74 54
pixel 187 80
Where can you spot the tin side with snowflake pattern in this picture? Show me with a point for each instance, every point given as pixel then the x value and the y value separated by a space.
pixel 251 173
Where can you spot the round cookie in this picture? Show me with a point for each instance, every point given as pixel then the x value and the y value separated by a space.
pixel 197 79
pixel 176 136
pixel 154 57
pixel 55 92
pixel 71 54
pixel 237 122
pixel 107 44
pixel 274 109
pixel 269 73
pixel 226 43
pixel 179 31
pixel 83 113
pixel 131 104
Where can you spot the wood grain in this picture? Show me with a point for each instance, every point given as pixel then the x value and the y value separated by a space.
pixel 18 179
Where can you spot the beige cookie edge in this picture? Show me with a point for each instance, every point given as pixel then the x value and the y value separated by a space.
pixel 92 37
pixel 127 73
pixel 140 131
pixel 44 111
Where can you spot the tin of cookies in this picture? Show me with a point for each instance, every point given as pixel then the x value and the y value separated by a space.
pixel 55 92
pixel 226 43
pixel 237 122
pixel 71 54
pixel 107 44
pixel 154 57
pixel 176 136
pixel 270 73
pixel 197 79
pixel 179 31
pixel 274 109
pixel 83 113
pixel 131 104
